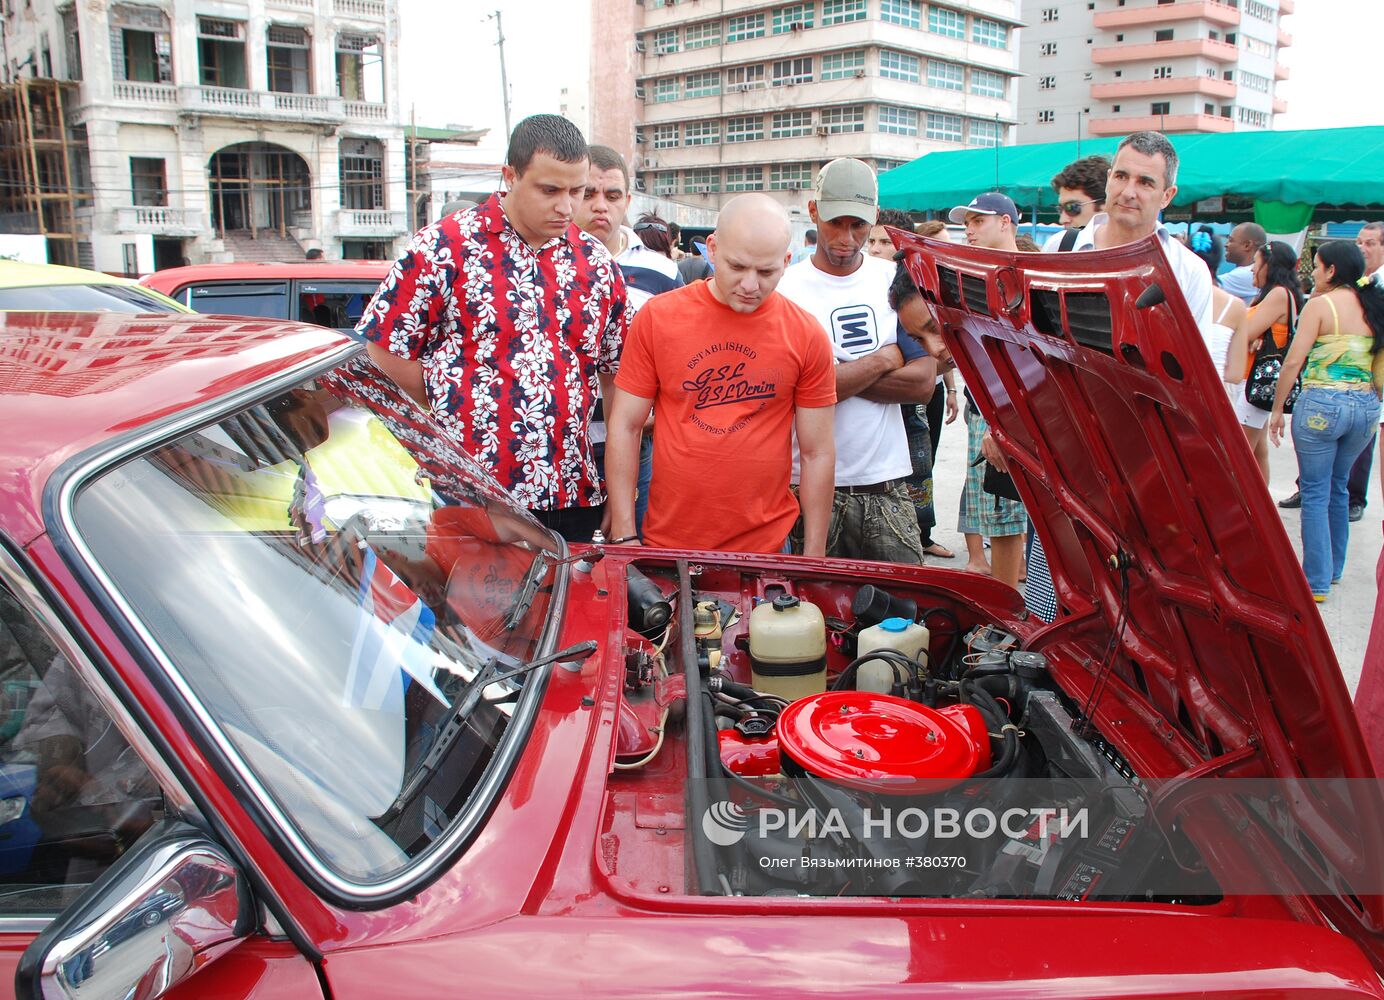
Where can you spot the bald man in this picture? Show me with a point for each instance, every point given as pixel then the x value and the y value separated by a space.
pixel 731 369
pixel 1241 245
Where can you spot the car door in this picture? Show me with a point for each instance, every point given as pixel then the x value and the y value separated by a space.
pixel 334 304
pixel 79 787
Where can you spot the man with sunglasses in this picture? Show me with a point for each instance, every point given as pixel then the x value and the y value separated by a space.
pixel 1080 188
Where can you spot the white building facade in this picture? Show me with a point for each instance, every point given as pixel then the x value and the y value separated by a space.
pixel 1110 67
pixel 227 129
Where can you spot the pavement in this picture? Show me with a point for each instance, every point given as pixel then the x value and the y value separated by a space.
pixel 1347 613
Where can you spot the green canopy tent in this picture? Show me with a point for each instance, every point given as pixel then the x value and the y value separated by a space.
pixel 1283 180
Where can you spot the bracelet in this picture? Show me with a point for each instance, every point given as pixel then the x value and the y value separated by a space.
pixel 622 539
pixel 950 391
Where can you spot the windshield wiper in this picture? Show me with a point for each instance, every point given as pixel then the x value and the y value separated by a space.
pixel 466 703
pixel 528 587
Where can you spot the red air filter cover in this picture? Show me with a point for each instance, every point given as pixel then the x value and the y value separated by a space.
pixel 879 743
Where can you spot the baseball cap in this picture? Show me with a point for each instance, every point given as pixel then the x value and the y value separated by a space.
pixel 847 187
pixel 990 203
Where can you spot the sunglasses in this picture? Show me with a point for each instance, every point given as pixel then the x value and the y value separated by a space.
pixel 1073 207
pixel 657 227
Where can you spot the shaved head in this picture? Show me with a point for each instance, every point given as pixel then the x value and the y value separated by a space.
pixel 750 251
pixel 1243 242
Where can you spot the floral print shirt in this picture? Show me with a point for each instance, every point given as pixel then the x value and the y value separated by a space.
pixel 510 339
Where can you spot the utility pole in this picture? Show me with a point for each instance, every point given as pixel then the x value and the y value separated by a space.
pixel 504 80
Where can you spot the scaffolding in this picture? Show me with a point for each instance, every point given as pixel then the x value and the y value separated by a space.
pixel 37 192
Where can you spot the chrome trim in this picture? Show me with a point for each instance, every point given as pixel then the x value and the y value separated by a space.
pixel 24 925
pixel 13 575
pixel 468 821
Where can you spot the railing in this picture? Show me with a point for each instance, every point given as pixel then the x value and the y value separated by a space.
pixel 305 104
pixel 298 4
pixel 373 9
pixel 224 97
pixel 262 103
pixel 370 222
pixel 367 110
pixel 145 93
pixel 157 219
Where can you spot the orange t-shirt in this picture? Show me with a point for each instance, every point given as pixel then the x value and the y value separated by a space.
pixel 725 387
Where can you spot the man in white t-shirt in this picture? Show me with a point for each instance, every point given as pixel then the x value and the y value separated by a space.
pixel 1241 245
pixel 872 512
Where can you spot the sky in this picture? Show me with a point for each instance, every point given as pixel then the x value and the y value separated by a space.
pixel 450 71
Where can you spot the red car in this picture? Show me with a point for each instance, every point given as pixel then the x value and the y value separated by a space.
pixel 300 704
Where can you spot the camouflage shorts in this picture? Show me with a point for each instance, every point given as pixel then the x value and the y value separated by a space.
pixel 882 526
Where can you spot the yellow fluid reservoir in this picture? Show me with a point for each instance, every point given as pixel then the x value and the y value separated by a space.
pixel 908 637
pixel 788 647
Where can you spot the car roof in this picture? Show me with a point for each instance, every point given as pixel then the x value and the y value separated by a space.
pixel 78 381
pixel 173 278
pixel 20 274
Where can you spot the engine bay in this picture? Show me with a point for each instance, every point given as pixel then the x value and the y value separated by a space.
pixel 798 737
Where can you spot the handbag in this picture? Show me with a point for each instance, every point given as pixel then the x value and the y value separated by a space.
pixel 1262 383
pixel 999 484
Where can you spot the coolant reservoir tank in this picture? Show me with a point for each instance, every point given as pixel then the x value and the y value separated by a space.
pixel 788 647
pixel 901 634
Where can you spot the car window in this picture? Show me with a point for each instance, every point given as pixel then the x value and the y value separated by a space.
pixel 82 298
pixel 336 304
pixel 73 794
pixel 334 579
pixel 268 299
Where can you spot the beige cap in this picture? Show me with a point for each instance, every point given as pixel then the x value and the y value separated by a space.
pixel 847 187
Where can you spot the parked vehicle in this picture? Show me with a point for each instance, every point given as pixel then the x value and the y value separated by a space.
pixel 352 724
pixel 330 293
pixel 51 287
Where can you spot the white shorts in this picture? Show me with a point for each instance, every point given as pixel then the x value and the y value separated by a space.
pixel 1249 414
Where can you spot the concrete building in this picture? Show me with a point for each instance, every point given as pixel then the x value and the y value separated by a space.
pixel 226 129
pixel 1110 67
pixel 710 99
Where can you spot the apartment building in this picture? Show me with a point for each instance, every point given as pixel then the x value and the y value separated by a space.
pixel 224 129
pixel 716 97
pixel 1110 67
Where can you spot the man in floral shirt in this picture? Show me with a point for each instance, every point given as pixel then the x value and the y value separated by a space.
pixel 501 318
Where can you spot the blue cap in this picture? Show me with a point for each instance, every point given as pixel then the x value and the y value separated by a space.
pixel 990 203
pixel 895 624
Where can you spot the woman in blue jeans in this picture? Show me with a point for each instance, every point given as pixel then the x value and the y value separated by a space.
pixel 1336 348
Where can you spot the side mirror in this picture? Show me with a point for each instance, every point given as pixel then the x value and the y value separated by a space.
pixel 173 904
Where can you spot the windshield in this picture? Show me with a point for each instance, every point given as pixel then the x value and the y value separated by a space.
pixel 83 298
pixel 327 573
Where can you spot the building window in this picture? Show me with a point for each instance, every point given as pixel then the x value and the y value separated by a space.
pixel 847 119
pixel 1049 14
pixel 987 84
pixel 1259 48
pixel 665 182
pixel 665 136
pixel 360 68
pixel 788 124
pixel 1163 35
pixel 666 89
pixel 898 66
pixel 744 129
pixel 1160 108
pixel 707 133
pixel 707 84
pixel 792 71
pixel 666 41
pixel 941 21
pixel 883 166
pixel 945 75
pixel 909 13
pixel 148 181
pixel 841 11
pixel 745 26
pixel 141 46
pixel 744 78
pixel 701 181
pixel 744 178
pixel 290 59
pixel 794 18
pixel 983 133
pixel 221 52
pixel 73 37
pixel 1162 72
pixel 362 174
pixel 1047 83
pixel 1048 117
pixel 990 33
pixel 1047 49
pixel 1248 116
pixel 839 65
pixel 1253 81
pixel 898 121
pixel 790 176
pixel 945 128
pixel 1260 10
pixel 702 36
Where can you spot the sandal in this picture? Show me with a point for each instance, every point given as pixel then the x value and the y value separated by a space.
pixel 939 550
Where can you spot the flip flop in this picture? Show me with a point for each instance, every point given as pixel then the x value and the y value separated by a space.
pixel 939 550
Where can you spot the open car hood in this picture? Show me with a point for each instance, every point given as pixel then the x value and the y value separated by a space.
pixel 1120 436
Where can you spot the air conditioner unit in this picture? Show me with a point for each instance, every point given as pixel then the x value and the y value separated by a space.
pixel 860 74
pixel 700 189
pixel 822 130
pixel 796 26
pixel 640 137
pixel 737 88
pixel 639 45
pixel 650 163
pixel 639 92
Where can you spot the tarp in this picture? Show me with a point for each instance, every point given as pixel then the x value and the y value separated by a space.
pixel 1311 167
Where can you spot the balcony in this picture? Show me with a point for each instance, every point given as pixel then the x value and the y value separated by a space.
pixel 1210 86
pixel 1287 6
pixel 146 94
pixel 293 4
pixel 1284 39
pixel 1280 72
pixel 369 10
pixel 232 103
pixel 1196 10
pixel 1280 106
pixel 352 222
pixel 159 220
pixel 1204 47
pixel 365 111
pixel 1160 123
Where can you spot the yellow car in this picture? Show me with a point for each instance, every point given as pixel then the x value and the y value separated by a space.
pixel 51 288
